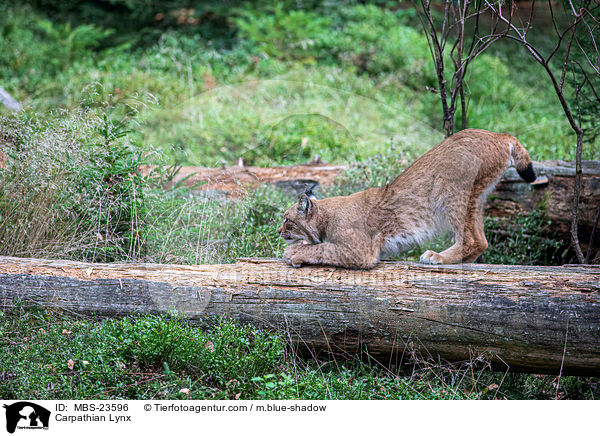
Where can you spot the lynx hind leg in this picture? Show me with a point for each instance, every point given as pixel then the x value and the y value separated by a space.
pixel 469 238
pixel 480 243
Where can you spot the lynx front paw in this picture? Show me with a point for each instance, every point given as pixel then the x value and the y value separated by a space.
pixel 431 257
pixel 292 257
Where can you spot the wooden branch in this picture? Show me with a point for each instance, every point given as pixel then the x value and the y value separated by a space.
pixel 515 316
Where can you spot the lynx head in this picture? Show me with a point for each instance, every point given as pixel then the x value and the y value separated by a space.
pixel 299 221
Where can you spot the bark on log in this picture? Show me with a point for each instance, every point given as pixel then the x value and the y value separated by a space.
pixel 535 319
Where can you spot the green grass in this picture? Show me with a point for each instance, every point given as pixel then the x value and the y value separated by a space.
pixel 46 354
pixel 341 82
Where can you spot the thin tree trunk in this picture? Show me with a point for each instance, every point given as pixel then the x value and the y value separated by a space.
pixel 576 196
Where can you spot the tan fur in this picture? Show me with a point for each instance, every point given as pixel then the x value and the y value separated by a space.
pixel 444 190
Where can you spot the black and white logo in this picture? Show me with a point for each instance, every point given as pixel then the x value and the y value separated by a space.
pixel 26 415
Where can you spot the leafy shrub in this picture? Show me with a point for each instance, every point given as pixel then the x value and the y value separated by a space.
pixel 35 50
pixel 71 187
pixel 108 195
pixel 523 240
pixel 286 34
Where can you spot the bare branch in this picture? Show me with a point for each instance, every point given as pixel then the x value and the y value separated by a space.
pixel 452 30
pixel 566 59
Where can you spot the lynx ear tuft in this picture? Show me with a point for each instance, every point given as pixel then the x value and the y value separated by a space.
pixel 309 191
pixel 304 205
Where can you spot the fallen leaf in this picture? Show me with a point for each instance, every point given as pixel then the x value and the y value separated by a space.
pixel 66 332
pixel 184 391
pixel 71 364
pixel 493 386
pixel 210 346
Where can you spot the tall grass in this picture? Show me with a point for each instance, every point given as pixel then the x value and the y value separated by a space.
pixel 70 186
pixel 39 159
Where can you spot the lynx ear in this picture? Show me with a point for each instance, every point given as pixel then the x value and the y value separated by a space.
pixel 304 205
pixel 309 191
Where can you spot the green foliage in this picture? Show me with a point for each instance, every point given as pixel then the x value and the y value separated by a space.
pixel 222 353
pixel 129 358
pixel 108 194
pixel 285 34
pixel 523 240
pixel 336 77
pixel 48 355
pixel 363 37
pixel 371 41
pixel 35 50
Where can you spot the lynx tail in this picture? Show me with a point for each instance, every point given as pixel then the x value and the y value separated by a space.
pixel 523 162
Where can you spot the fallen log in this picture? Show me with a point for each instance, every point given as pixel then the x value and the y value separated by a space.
pixel 534 319
pixel 234 181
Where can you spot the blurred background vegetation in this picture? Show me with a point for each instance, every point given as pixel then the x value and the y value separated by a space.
pixel 108 86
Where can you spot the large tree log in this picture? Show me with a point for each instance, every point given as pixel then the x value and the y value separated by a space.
pixel 536 319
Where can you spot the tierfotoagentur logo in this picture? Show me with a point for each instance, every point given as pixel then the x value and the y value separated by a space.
pixel 26 415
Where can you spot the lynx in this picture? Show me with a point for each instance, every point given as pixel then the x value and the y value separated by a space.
pixel 443 190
